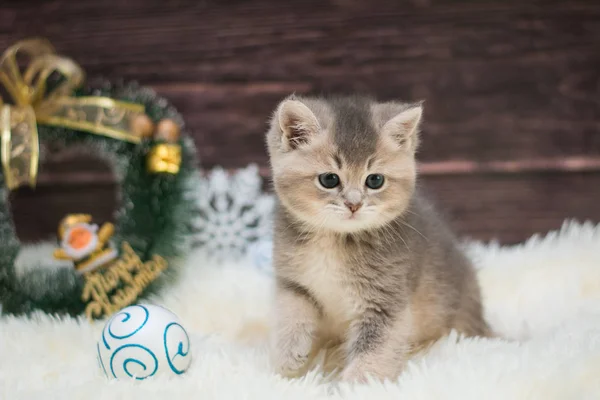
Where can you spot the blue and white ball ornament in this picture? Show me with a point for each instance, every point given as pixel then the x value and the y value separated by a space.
pixel 141 341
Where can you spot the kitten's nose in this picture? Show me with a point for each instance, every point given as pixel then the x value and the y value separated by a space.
pixel 353 206
pixel 353 200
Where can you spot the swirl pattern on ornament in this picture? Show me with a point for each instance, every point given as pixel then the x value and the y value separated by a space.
pixel 128 326
pixel 137 361
pixel 177 348
pixel 100 359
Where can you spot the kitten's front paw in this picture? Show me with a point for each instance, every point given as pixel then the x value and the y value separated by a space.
pixel 291 354
pixel 290 364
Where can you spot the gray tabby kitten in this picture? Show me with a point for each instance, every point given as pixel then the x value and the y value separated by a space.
pixel 361 258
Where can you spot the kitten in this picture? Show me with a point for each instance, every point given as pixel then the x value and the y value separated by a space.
pixel 360 256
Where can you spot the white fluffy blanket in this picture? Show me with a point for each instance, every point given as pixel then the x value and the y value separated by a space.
pixel 544 296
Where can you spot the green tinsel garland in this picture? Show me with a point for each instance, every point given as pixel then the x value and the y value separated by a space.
pixel 152 213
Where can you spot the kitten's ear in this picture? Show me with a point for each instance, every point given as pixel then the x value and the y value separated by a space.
pixel 297 122
pixel 404 126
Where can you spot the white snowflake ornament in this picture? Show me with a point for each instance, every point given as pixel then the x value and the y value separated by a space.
pixel 232 212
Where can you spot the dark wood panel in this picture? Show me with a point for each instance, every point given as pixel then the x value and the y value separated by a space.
pixel 37 213
pixel 507 207
pixel 70 180
pixel 502 79
pixel 512 207
pixel 213 40
pixel 229 121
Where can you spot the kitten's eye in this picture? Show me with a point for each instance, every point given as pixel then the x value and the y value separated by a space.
pixel 329 180
pixel 374 181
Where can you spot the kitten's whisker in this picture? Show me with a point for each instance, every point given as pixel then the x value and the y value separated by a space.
pixel 404 241
pixel 413 228
pixel 388 233
pixel 407 211
pixel 390 228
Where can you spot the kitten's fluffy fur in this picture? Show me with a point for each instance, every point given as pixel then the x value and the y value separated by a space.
pixel 382 281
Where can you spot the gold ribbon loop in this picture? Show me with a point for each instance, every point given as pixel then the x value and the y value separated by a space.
pixel 10 73
pixel 35 103
pixel 42 67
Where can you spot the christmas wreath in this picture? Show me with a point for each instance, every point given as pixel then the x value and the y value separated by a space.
pixel 107 266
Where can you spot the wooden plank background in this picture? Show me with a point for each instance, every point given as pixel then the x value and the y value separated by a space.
pixel 511 142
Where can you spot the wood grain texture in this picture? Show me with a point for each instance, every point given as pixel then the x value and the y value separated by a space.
pixel 512 207
pixel 69 181
pixel 502 80
pixel 36 214
pixel 512 90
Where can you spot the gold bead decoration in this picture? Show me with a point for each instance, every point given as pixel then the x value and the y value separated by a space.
pixel 142 126
pixel 167 130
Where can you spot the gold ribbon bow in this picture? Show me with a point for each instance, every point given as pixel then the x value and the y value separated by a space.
pixel 35 103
